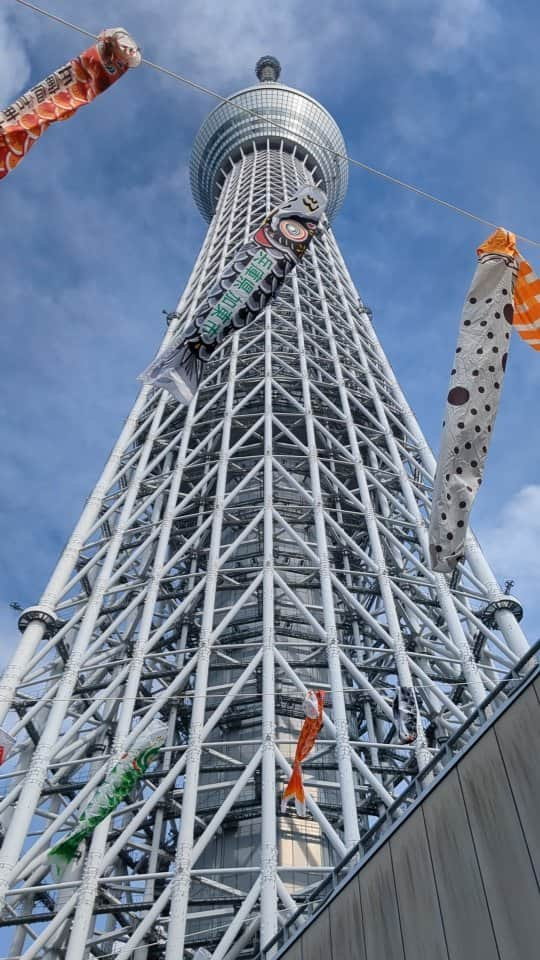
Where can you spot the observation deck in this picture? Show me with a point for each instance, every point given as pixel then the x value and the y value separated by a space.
pixel 287 116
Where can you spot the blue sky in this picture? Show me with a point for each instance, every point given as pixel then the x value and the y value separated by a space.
pixel 98 231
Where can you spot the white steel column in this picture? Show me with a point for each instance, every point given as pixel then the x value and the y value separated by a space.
pixel 30 793
pixel 350 819
pixel 400 653
pixel 181 880
pixel 478 690
pixel 268 838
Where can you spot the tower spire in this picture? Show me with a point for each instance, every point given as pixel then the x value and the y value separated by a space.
pixel 268 69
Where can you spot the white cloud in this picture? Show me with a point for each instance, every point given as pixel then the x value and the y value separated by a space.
pixel 454 28
pixel 218 44
pixel 512 546
pixel 459 24
pixel 14 62
pixel 213 42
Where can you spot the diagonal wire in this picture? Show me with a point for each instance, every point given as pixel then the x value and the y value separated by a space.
pixel 275 123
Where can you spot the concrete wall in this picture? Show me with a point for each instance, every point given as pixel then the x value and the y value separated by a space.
pixel 459 878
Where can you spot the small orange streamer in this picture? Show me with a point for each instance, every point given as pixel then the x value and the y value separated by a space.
pixel 527 305
pixel 62 93
pixel 306 740
pixel 526 318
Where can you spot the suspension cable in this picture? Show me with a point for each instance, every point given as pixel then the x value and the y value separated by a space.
pixel 283 127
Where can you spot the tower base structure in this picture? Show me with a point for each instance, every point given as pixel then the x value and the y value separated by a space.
pixel 267 539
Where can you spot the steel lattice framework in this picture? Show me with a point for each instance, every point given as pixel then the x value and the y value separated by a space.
pixel 268 538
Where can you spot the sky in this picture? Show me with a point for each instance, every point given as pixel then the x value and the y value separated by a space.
pixel 98 230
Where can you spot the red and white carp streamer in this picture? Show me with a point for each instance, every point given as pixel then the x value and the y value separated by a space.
pixel 501 277
pixel 60 95
pixel 7 742
pixel 313 708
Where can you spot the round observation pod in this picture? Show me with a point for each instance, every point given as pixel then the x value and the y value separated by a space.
pixel 268 69
pixel 268 112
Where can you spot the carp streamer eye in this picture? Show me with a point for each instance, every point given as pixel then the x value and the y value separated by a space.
pixel 292 230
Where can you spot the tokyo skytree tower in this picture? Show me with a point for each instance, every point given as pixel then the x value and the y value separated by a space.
pixel 266 539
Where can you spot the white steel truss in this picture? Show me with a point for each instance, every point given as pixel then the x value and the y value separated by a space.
pixel 268 538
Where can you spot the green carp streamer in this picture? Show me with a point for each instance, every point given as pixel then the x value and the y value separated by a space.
pixel 121 779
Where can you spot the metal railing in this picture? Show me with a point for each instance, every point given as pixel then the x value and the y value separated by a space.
pixel 449 752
